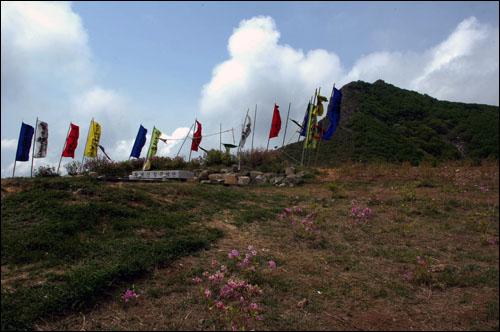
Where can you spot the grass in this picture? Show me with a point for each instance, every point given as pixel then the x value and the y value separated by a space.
pixel 77 245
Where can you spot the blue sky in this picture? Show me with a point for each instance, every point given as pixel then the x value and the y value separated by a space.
pixel 164 64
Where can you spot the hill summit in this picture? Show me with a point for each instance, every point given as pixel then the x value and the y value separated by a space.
pixel 381 122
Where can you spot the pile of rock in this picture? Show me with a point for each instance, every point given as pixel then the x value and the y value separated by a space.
pixel 289 178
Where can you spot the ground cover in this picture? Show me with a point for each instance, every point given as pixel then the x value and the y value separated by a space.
pixel 359 247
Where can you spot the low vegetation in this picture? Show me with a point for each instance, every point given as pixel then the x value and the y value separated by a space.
pixel 363 246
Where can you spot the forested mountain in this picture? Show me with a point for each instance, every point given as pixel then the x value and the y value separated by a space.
pixel 380 121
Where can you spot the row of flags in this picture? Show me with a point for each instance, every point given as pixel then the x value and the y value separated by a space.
pixel 309 129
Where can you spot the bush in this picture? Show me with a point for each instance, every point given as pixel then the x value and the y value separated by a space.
pixel 73 167
pixel 216 157
pixel 44 171
pixel 262 160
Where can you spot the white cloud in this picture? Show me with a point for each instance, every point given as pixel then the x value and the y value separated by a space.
pixel 9 144
pixel 259 70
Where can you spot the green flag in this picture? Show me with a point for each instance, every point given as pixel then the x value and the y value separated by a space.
pixel 153 147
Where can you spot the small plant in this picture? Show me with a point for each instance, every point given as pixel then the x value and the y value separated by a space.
pixel 230 298
pixel 130 297
pixel 408 192
pixel 337 190
pixel 45 171
pixel 303 226
pixel 422 273
pixel 360 216
pixel 73 167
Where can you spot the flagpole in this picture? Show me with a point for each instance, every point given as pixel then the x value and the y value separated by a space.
pixel 254 120
pixel 64 148
pixel 289 105
pixel 147 155
pixel 312 130
pixel 239 145
pixel 321 137
pixel 86 142
pixel 190 149
pixel 34 141
pixel 307 125
pixel 220 137
pixel 232 130
pixel 184 141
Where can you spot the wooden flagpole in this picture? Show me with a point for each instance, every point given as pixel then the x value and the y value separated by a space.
pixel 34 141
pixel 254 120
pixel 86 141
pixel 184 141
pixel 64 148
pixel 239 145
pixel 321 137
pixel 220 137
pixel 190 150
pixel 286 125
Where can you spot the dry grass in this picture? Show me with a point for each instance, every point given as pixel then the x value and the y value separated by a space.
pixel 346 278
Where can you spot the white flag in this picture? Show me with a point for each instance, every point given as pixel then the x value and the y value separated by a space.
pixel 41 139
pixel 246 132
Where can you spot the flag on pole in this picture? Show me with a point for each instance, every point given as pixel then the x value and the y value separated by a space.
pixel 71 142
pixel 153 147
pixel 305 123
pixel 41 139
pixel 276 124
pixel 246 132
pixel 24 143
pixel 104 151
pixel 333 114
pixel 93 140
pixel 196 138
pixel 140 140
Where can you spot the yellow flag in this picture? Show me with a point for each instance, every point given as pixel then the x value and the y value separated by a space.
pixel 93 140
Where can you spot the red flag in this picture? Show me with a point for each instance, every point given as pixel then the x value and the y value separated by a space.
pixel 197 138
pixel 71 142
pixel 276 125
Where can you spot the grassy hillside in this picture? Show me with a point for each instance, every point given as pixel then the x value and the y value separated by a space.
pixel 383 122
pixel 359 247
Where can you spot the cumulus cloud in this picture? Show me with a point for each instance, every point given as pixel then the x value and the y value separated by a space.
pixel 260 70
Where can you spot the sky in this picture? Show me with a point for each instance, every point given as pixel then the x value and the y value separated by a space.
pixel 165 64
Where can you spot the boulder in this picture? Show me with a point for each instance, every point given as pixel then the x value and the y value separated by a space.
pixel 277 180
pixel 215 176
pixel 243 180
pixel 231 179
pixel 259 179
pixel 93 175
pixel 289 171
pixel 254 174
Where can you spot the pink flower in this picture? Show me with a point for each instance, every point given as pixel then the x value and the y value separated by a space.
pixel 214 262
pixel 197 280
pixel 254 252
pixel 223 268
pixel 235 253
pixel 208 293
pixel 250 247
pixel 272 264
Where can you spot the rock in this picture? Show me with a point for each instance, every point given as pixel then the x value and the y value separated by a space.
pixel 235 168
pixel 289 171
pixel 277 180
pixel 203 175
pixel 205 181
pixel 93 175
pixel 215 176
pixel 254 174
pixel 259 179
pixel 231 179
pixel 243 180
pixel 291 181
pixel 244 172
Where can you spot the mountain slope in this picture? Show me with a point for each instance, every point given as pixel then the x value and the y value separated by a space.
pixel 380 121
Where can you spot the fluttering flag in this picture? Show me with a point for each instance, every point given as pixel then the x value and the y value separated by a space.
pixel 71 142
pixel 104 151
pixel 93 140
pixel 333 114
pixel 41 139
pixel 24 143
pixel 276 124
pixel 196 138
pixel 246 132
pixel 305 123
pixel 318 110
pixel 153 147
pixel 140 140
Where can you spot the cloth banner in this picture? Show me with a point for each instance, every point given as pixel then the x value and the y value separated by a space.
pixel 41 139
pixel 71 142
pixel 140 140
pixel 276 124
pixel 24 143
pixel 93 140
pixel 196 137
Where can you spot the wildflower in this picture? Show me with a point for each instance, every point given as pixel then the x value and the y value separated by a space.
pixel 408 275
pixel 197 280
pixel 223 268
pixel 208 293
pixel 214 262
pixel 250 247
pixel 235 253
pixel 254 252
pixel 272 264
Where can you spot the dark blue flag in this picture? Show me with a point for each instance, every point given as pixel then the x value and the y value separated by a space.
pixel 140 140
pixel 24 144
pixel 306 120
pixel 333 114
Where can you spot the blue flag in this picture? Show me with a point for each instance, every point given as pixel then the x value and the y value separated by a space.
pixel 305 122
pixel 24 144
pixel 333 114
pixel 140 140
